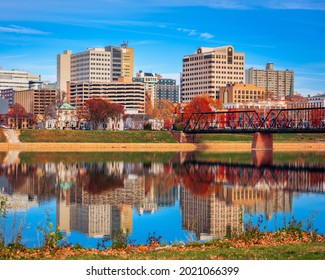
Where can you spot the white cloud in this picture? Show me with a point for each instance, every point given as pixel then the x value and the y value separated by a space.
pixel 21 30
pixel 246 4
pixel 194 32
pixel 12 56
pixel 206 35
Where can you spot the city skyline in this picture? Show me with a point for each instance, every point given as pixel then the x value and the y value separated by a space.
pixel 287 33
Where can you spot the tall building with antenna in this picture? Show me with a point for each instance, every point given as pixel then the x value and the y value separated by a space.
pixel 100 65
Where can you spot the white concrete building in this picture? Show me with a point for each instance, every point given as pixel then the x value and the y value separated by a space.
pixel 94 65
pixel 19 80
pixel 317 100
pixel 209 69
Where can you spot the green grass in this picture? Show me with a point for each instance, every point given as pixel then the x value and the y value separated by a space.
pixel 95 157
pixel 278 138
pixel 278 157
pixel 141 136
pixel 303 251
pixel 95 136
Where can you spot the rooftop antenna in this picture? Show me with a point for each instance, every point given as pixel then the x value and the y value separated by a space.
pixel 124 44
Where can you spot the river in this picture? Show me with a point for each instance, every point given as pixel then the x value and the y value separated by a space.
pixel 171 197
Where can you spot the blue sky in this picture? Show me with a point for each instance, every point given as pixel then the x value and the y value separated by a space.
pixel 291 33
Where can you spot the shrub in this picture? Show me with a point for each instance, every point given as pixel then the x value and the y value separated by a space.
pixel 153 240
pixel 177 126
pixel 147 126
pixel 52 237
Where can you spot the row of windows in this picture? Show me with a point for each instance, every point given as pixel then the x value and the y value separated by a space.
pixel 100 54
pixel 216 77
pixel 210 62
pixel 248 91
pixel 246 95
pixel 207 74
pixel 209 56
pixel 216 67
pixel 199 69
pixel 220 84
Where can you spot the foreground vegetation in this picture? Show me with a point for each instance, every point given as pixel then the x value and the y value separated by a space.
pixel 95 136
pixel 268 246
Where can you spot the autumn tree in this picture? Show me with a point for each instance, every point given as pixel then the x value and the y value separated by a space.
pixel 198 104
pixel 100 110
pixel 18 111
pixel 165 111
pixel 148 103
pixel 97 110
pixel 82 114
pixel 115 112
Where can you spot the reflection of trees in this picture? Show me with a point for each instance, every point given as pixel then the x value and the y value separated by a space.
pixel 198 181
pixel 202 178
pixel 98 180
pixel 32 180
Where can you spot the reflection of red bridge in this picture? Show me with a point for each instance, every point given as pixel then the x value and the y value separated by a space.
pixel 289 178
pixel 263 122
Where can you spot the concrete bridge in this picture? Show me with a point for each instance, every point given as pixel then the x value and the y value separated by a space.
pixel 262 123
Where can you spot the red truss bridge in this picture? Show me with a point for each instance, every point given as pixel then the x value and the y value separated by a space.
pixel 285 177
pixel 264 123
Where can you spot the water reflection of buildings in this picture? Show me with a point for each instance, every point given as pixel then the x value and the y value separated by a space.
pixel 215 196
pixel 26 185
pixel 160 188
pixel 261 201
pixel 221 212
pixel 100 200
pixel 209 216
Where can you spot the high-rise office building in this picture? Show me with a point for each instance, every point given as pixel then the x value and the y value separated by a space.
pixel 127 60
pixel 18 80
pixel 167 90
pixel 278 82
pixel 158 88
pixel 209 69
pixel 100 65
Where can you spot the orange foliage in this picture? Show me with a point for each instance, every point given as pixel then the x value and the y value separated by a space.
pixel 199 104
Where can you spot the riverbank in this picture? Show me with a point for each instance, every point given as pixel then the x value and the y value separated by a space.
pixel 155 147
pixel 151 141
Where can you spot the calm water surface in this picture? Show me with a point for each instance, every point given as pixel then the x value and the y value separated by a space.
pixel 178 196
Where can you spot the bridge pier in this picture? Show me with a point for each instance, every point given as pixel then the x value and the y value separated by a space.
pixel 262 157
pixel 262 141
pixel 262 149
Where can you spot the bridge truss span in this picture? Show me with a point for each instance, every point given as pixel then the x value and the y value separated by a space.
pixel 297 120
